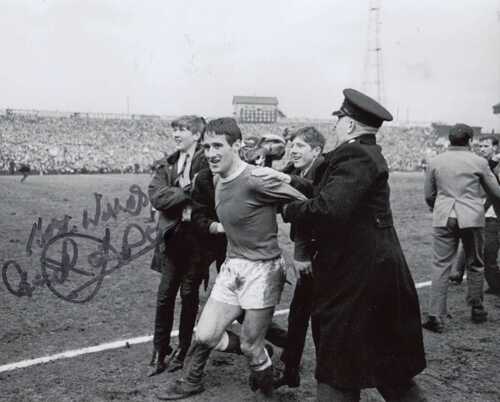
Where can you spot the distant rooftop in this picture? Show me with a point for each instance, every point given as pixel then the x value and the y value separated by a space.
pixel 255 100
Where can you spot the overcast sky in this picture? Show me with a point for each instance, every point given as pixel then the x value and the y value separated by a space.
pixel 441 59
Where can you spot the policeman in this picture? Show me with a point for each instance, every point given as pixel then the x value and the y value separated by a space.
pixel 366 317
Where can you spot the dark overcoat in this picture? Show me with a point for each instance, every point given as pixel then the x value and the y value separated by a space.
pixel 366 304
pixel 169 199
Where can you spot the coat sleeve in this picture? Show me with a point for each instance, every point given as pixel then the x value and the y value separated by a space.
pixel 301 246
pixel 430 189
pixel 490 184
pixel 305 186
pixel 274 192
pixel 162 194
pixel 203 213
pixel 349 176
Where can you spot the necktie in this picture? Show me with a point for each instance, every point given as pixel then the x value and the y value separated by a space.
pixel 183 174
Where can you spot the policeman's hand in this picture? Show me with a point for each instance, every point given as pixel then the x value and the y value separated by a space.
pixel 270 174
pixel 186 213
pixel 303 268
pixel 216 228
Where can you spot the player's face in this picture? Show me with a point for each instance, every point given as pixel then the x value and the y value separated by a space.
pixel 220 155
pixel 302 154
pixel 184 139
pixel 487 149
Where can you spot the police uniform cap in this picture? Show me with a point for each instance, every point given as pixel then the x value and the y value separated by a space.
pixel 362 108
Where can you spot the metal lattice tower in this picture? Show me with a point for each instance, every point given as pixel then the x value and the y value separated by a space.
pixel 373 74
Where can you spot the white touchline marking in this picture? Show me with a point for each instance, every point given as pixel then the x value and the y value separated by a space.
pixel 113 345
pixel 423 284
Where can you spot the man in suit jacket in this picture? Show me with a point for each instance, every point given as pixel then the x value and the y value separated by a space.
pixel 366 309
pixel 179 256
pixel 488 147
pixel 454 184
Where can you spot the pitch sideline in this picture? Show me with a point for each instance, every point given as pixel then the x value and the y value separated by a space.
pixel 112 345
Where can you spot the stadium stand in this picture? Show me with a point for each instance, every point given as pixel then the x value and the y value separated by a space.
pixel 80 143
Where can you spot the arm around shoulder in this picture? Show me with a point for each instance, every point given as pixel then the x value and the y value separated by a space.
pixel 350 174
pixel 274 191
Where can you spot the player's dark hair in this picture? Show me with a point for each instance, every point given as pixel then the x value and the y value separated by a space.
pixel 226 126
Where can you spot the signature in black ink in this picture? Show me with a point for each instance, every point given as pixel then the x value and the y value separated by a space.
pixel 133 206
pixel 55 227
pixel 60 269
pixel 60 262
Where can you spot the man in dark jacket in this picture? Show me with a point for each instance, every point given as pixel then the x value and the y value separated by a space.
pixel 488 147
pixel 179 256
pixel 305 157
pixel 366 307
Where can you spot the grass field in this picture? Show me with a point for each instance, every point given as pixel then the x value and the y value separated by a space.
pixel 102 291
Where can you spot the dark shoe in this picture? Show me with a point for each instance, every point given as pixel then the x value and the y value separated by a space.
pixel 479 314
pixel 176 361
pixel 175 365
pixel 160 367
pixel 180 389
pixel 491 291
pixel 158 361
pixel 262 380
pixel 289 377
pixel 409 392
pixel 433 324
pixel 456 279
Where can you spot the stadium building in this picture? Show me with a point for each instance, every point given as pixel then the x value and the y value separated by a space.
pixel 255 109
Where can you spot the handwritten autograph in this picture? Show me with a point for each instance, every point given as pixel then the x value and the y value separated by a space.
pixel 61 262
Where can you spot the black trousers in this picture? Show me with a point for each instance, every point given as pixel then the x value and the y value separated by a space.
pixel 185 272
pixel 491 246
pixel 407 391
pixel 298 322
